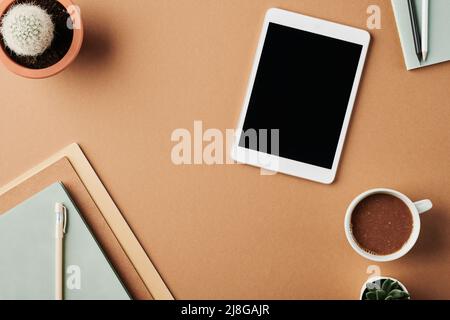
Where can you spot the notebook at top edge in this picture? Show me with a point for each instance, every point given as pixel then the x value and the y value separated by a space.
pixel 439 31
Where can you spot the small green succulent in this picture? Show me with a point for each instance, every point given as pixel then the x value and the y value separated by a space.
pixel 385 289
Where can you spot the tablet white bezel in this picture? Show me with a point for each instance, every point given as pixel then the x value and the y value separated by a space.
pixel 284 165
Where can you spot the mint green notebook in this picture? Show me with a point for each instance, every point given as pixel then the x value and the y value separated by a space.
pixel 27 253
pixel 439 31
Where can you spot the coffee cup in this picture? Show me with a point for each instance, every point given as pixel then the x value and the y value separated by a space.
pixel 415 209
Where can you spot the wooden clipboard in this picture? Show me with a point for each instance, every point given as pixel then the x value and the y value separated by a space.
pixel 71 167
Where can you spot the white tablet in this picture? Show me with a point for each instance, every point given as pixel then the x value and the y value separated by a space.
pixel 300 96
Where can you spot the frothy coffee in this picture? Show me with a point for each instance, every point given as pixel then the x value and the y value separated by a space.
pixel 381 224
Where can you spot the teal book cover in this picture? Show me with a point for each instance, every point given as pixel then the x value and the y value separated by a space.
pixel 27 253
pixel 439 31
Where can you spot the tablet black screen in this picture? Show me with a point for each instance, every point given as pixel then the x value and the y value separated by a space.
pixel 302 87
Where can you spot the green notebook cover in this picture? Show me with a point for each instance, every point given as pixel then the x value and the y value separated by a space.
pixel 27 253
pixel 439 31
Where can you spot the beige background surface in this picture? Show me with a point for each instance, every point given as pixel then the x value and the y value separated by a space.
pixel 151 66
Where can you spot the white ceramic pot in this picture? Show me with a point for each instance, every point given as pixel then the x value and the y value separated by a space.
pixel 373 279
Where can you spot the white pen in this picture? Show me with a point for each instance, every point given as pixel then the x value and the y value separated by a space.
pixel 60 230
pixel 425 15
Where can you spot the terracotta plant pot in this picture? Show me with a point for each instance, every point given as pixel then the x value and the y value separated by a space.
pixel 69 57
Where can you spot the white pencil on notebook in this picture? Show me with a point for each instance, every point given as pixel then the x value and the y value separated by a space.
pixel 425 14
pixel 60 230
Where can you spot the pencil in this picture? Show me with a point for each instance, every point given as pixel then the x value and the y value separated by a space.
pixel 425 14
pixel 415 29
pixel 60 229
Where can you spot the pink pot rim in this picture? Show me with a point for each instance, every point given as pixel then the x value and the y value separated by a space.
pixel 62 64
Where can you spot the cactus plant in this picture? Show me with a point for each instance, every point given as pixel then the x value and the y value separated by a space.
pixel 385 289
pixel 27 30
